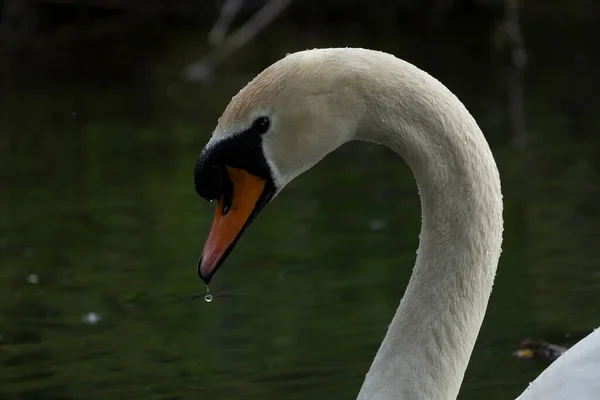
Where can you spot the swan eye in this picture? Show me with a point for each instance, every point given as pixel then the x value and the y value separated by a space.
pixel 261 125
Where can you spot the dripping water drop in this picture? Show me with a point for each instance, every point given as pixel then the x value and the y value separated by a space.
pixel 208 297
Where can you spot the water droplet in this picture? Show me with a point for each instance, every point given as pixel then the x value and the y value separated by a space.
pixel 208 297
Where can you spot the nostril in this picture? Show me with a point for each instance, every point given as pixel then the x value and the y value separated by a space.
pixel 227 192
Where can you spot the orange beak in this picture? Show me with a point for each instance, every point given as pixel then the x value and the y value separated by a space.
pixel 235 210
pixel 525 354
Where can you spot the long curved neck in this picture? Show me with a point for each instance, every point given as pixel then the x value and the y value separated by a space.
pixel 427 347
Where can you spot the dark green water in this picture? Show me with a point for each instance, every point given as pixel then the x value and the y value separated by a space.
pixel 97 202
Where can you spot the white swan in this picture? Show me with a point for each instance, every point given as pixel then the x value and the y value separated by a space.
pixel 308 104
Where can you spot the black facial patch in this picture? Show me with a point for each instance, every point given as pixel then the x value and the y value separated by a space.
pixel 243 151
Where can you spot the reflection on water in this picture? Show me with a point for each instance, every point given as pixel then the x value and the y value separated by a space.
pixel 100 231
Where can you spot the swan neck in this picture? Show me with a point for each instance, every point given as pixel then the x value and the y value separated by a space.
pixel 427 347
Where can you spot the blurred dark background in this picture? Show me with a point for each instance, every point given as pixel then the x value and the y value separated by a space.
pixel 104 106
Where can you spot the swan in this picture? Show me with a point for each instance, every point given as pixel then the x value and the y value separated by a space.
pixel 309 103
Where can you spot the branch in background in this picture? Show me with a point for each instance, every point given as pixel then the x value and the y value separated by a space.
pixel 518 54
pixel 513 43
pixel 202 70
pixel 219 29
pixel 18 20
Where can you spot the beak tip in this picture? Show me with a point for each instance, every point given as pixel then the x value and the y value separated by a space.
pixel 205 278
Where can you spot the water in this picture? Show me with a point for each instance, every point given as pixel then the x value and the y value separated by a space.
pixel 100 206
pixel 208 297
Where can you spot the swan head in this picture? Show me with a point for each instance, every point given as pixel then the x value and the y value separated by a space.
pixel 278 126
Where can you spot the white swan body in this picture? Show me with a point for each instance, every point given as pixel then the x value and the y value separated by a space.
pixel 574 375
pixel 308 104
